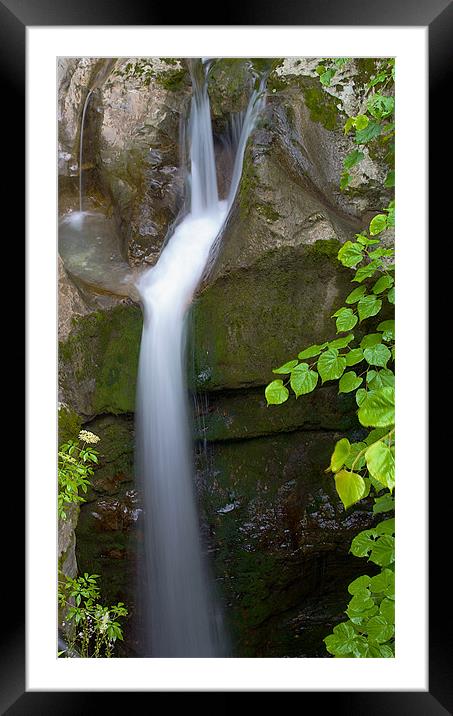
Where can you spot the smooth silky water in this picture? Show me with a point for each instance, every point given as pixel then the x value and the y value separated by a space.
pixel 180 615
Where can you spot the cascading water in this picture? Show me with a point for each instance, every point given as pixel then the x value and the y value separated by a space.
pixel 180 619
pixel 82 126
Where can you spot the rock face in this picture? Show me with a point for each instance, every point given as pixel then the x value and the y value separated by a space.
pixel 278 530
pixel 275 529
pixel 98 361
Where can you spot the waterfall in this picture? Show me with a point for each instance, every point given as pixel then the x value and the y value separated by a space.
pixel 85 106
pixel 181 619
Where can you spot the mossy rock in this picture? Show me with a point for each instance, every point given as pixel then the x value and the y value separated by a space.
pixel 98 361
pixel 255 319
pixel 276 520
pixel 69 424
pixel 239 414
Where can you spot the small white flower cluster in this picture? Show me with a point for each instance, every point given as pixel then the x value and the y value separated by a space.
pixel 88 437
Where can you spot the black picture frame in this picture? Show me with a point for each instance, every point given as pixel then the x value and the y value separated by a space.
pixel 15 17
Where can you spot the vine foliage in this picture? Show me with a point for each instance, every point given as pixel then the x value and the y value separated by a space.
pixel 92 627
pixel 364 365
pixel 75 467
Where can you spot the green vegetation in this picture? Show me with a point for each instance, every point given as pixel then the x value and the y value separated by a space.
pixel 367 466
pixel 376 123
pixel 92 627
pixel 174 78
pixel 74 470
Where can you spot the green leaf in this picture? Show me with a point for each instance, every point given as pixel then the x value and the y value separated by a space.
pixel 303 380
pixel 349 124
pixel 382 284
pixel 378 408
pixel 354 356
pixel 378 355
pixel 344 180
pixel 339 454
pixel 391 296
pixel 360 396
pixel 362 543
pixel 387 610
pixel 276 393
pixel 371 131
pixel 361 121
pixel 361 607
pixel 341 342
pixel 378 223
pixel 391 213
pixel 380 379
pixel 327 76
pixel 365 271
pixel 384 582
pixel 379 253
pixel 311 351
pixel 388 328
pixel 379 629
pixel 343 641
pixel 380 106
pixel 352 461
pixel 376 434
pixel 380 461
pixel 286 368
pixel 331 365
pixel 385 503
pixel 390 180
pixel 383 552
pixel 359 584
pixel 353 158
pixel 346 319
pixel 350 487
pixel 380 77
pixel 356 294
pixel 349 381
pixel 380 651
pixel 370 340
pixel 368 306
pixel 362 239
pixel 350 254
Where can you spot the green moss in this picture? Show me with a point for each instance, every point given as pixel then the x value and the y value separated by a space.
pixel 116 452
pixel 248 186
pixel 99 360
pixel 366 68
pixel 69 424
pixel 234 415
pixel 321 105
pixel 229 82
pixel 253 320
pixel 267 211
pixel 173 80
pixel 273 511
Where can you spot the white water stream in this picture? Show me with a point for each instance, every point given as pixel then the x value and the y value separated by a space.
pixel 180 614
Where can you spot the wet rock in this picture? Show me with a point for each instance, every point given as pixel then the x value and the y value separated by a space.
pixel 70 302
pixel 67 562
pixel 253 319
pixel 98 361
pixel 235 415
pixel 283 542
